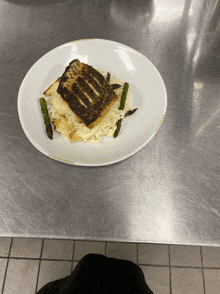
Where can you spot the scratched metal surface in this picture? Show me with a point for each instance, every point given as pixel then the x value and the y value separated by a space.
pixel 169 192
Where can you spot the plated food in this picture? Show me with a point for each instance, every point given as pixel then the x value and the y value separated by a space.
pixel 86 104
pixel 147 93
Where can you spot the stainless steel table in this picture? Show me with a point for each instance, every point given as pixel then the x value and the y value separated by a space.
pixel 168 192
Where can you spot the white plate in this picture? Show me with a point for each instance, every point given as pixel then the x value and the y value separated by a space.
pixel 148 94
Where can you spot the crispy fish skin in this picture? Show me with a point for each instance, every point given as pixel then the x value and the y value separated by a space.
pixel 88 94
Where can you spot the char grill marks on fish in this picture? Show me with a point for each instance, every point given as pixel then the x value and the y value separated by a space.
pixel 87 92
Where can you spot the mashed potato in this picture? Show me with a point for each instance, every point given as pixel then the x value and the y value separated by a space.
pixel 69 125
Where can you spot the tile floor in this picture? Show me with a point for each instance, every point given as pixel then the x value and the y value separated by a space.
pixel 27 264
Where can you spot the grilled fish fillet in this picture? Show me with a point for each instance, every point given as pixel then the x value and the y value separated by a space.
pixel 88 94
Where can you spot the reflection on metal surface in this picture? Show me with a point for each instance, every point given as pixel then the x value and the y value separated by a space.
pixel 196 102
pixel 168 12
pixel 207 122
pixel 131 14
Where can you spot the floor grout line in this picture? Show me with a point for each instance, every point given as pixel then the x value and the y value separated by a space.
pixel 170 280
pixel 6 268
pixel 203 276
pixel 141 264
pixel 38 273
pixel 73 256
pixel 105 248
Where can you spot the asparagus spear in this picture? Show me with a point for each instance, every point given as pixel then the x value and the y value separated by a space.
pixel 46 117
pixel 124 96
pixel 121 107
pixel 115 86
pixel 118 124
pixel 130 112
